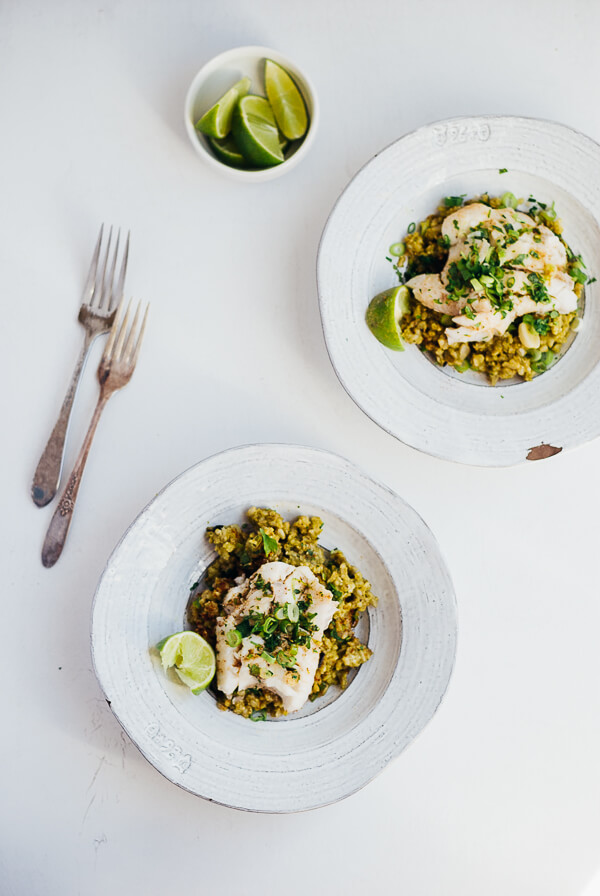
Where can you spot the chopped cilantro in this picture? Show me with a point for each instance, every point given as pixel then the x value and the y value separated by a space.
pixel 270 545
pixel 539 324
pixel 502 170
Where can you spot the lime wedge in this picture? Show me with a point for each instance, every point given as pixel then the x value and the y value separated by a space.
pixel 217 121
pixel 255 131
pixel 192 657
pixel 286 101
pixel 227 151
pixel 384 314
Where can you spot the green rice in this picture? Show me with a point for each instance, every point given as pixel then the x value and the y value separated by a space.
pixel 240 552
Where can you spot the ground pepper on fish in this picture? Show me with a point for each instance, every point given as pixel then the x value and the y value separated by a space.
pixel 240 552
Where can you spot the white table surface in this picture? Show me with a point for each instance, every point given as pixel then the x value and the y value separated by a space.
pixel 501 792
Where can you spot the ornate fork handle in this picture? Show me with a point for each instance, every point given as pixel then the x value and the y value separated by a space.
pixel 61 520
pixel 47 473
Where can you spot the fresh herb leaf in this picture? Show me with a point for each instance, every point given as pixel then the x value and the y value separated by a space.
pixel 270 545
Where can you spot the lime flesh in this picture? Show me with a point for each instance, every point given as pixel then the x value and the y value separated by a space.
pixel 217 121
pixel 192 658
pixel 255 131
pixel 384 314
pixel 286 101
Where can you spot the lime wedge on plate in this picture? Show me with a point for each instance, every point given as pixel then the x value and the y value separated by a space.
pixel 217 121
pixel 227 151
pixel 286 101
pixel 255 131
pixel 192 658
pixel 384 314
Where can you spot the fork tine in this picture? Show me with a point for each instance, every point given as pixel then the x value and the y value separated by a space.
pixel 106 355
pixel 127 350
pixel 118 352
pixel 102 295
pixel 116 297
pixel 140 337
pixel 111 275
pixel 88 289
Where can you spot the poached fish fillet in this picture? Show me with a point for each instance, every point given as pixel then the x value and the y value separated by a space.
pixel 270 634
pixel 501 265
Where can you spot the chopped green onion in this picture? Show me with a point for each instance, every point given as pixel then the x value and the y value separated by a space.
pixel 259 716
pixel 267 657
pixel 280 613
pixel 451 201
pixel 509 200
pixel 502 170
pixel 233 638
pixel 460 368
pixel 293 613
pixel 397 249
pixel 534 354
pixel 412 227
pixel 269 625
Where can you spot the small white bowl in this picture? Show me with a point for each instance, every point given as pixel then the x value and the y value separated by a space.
pixel 221 73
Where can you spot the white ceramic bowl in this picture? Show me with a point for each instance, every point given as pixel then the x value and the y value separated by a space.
pixel 457 416
pixel 221 73
pixel 333 746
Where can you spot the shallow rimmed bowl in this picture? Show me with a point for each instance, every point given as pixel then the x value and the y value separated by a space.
pixel 335 745
pixel 435 409
pixel 221 73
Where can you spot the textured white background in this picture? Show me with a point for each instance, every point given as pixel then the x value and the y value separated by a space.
pixel 501 793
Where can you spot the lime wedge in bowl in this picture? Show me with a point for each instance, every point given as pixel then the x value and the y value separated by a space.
pixel 384 314
pixel 192 658
pixel 286 101
pixel 217 121
pixel 255 131
pixel 228 151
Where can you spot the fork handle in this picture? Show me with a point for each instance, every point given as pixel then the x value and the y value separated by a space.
pixel 47 474
pixel 61 520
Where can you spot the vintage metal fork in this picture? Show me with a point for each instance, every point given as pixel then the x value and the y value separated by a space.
pixel 116 367
pixel 101 295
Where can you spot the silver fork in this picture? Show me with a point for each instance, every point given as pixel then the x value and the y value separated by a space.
pixel 115 370
pixel 101 295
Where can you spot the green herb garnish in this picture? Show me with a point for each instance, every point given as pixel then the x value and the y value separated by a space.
pixel 270 544
pixel 451 201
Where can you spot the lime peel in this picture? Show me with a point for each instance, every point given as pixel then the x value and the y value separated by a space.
pixel 384 314
pixel 255 130
pixel 216 122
